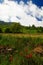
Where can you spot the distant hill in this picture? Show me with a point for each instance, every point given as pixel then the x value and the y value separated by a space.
pixel 2 22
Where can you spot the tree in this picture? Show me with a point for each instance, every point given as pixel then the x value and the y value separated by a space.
pixel 1 30
pixel 40 29
pixel 33 27
pixel 16 28
pixel 7 30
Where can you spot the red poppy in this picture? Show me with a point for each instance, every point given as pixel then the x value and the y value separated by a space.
pixel 11 58
pixel 30 55
pixel 27 56
pixel 26 50
pixel 21 53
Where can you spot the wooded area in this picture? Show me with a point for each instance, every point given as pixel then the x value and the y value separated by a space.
pixel 18 28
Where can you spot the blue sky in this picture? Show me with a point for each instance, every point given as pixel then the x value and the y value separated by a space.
pixel 39 3
pixel 27 12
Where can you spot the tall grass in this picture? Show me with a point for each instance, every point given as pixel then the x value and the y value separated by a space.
pixel 20 43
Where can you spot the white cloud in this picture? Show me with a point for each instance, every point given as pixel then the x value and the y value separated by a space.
pixel 26 12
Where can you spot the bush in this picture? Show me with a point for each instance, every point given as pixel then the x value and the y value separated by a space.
pixel 1 30
pixel 7 30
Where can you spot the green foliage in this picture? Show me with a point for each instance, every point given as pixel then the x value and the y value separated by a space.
pixel 20 43
pixel 18 28
pixel 1 30
pixel 7 30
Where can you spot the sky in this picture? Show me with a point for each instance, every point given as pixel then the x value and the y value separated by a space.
pixel 26 12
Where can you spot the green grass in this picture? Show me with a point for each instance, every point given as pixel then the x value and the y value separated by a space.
pixel 20 42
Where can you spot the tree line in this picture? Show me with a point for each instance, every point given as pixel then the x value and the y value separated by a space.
pixel 18 28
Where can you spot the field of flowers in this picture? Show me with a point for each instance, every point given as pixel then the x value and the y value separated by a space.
pixel 21 50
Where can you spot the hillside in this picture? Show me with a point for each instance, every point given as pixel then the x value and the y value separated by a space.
pixel 13 27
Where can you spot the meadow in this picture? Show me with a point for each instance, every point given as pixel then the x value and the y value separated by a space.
pixel 20 45
pixel 21 49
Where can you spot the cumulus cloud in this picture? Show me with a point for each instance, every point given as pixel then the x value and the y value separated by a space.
pixel 26 14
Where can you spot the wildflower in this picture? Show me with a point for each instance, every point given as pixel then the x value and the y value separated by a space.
pixel 30 55
pixel 21 53
pixel 11 58
pixel 27 56
pixel 26 50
